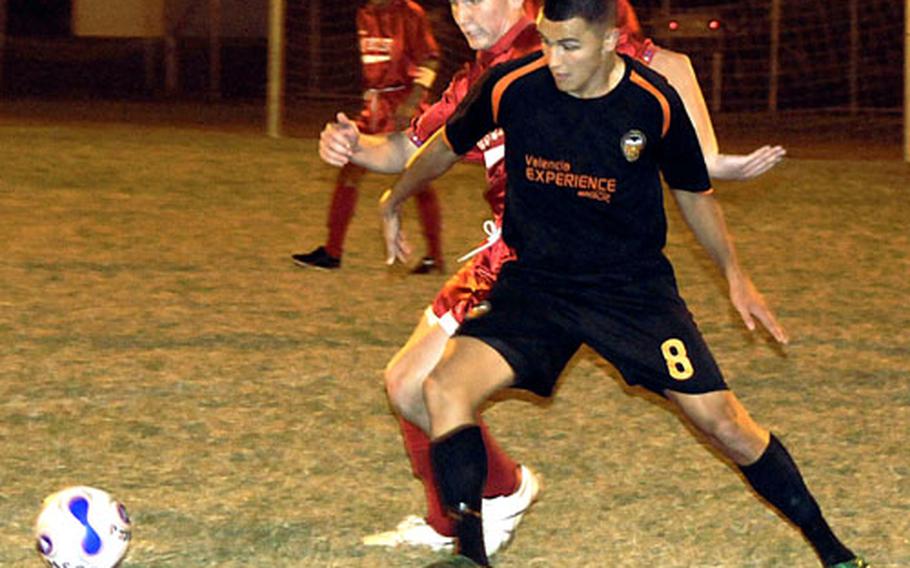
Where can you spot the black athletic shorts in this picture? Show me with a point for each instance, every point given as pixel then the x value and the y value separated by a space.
pixel 636 320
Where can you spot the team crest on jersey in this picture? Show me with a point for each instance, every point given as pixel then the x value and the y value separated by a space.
pixel 633 144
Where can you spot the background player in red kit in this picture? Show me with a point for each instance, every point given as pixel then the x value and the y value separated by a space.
pixel 399 58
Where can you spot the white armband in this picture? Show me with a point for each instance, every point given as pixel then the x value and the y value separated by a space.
pixel 424 76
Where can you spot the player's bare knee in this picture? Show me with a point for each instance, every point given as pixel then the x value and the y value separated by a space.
pixel 735 438
pixel 720 425
pixel 403 389
pixel 394 376
pixel 397 399
pixel 727 430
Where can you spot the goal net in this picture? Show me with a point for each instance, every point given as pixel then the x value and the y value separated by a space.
pixel 322 62
pixel 750 56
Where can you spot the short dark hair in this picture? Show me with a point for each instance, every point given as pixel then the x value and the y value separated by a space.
pixel 593 11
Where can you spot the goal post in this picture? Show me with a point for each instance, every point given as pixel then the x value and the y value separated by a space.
pixel 907 81
pixel 2 40
pixel 276 67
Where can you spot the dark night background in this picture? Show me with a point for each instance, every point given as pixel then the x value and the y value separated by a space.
pixel 43 58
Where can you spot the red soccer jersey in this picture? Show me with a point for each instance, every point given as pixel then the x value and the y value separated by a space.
pixel 395 37
pixel 520 40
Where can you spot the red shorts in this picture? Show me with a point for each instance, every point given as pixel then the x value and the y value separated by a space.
pixel 469 286
pixel 379 107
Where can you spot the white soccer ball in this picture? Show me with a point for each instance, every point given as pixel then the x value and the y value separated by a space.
pixel 82 527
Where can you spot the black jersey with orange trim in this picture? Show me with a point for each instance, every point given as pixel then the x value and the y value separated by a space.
pixel 584 190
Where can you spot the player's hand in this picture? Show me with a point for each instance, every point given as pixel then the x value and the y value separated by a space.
pixel 737 167
pixel 751 305
pixel 339 140
pixel 396 244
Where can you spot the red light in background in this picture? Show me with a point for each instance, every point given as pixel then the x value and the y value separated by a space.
pixel 673 25
pixel 714 24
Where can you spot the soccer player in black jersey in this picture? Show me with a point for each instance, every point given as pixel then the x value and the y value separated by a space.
pixel 590 132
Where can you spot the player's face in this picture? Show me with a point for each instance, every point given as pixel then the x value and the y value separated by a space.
pixel 483 22
pixel 580 55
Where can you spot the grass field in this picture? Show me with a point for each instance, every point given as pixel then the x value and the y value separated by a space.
pixel 156 341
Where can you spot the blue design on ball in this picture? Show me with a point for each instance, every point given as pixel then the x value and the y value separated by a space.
pixel 79 508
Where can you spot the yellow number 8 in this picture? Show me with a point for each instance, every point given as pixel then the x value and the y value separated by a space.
pixel 679 365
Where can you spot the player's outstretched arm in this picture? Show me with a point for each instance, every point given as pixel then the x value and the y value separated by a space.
pixel 432 160
pixel 341 142
pixel 677 68
pixel 705 217
pixel 737 167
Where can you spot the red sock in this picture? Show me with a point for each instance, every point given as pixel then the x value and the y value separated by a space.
pixel 431 222
pixel 417 446
pixel 502 472
pixel 341 211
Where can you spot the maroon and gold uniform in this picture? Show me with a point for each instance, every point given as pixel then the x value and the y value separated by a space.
pixel 395 38
pixel 398 54
pixel 473 281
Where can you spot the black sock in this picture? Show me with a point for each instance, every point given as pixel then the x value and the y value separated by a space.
pixel 777 479
pixel 460 466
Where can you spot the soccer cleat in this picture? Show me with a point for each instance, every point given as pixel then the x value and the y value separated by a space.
pixel 317 258
pixel 412 531
pixel 858 562
pixel 428 265
pixel 502 515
